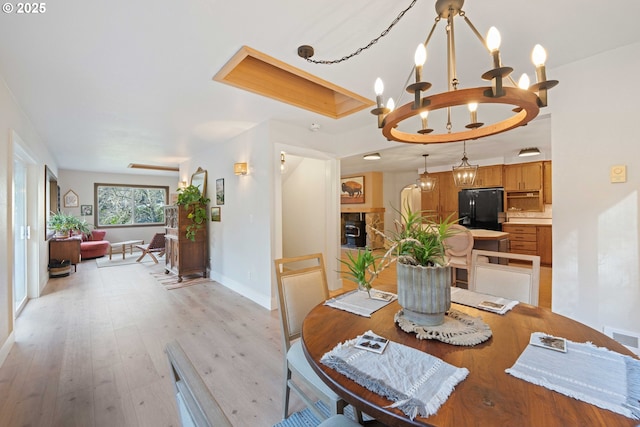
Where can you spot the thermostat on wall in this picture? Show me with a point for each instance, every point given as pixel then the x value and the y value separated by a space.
pixel 618 173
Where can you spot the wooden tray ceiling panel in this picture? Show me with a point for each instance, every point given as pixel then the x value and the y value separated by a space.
pixel 259 73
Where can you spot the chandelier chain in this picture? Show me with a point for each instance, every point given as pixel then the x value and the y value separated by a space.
pixel 371 43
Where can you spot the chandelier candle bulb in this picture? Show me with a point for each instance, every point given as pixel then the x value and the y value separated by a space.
pixel 420 58
pixel 523 82
pixel 539 57
pixel 423 117
pixel 391 105
pixel 379 89
pixel 493 44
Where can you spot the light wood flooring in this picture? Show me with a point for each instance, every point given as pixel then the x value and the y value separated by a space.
pixel 89 352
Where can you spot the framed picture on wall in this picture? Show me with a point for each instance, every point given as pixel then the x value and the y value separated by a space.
pixel 220 191
pixel 70 199
pixel 215 214
pixel 86 210
pixel 352 190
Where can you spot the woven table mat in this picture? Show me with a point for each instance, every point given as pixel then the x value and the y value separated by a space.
pixel 458 329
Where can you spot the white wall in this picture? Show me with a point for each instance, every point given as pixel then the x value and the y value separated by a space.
pixel 240 244
pixel 596 257
pixel 12 118
pixel 82 183
pixel 304 209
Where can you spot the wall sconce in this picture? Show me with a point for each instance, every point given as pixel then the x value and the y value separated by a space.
pixel 240 168
pixel 182 184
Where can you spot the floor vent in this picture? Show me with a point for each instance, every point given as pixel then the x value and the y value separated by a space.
pixel 631 340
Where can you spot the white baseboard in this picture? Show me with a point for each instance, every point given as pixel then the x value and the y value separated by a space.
pixel 6 347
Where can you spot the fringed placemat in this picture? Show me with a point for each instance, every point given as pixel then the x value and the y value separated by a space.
pixel 585 372
pixel 458 329
pixel 415 381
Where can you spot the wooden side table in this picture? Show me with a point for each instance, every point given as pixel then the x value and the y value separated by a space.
pixel 65 250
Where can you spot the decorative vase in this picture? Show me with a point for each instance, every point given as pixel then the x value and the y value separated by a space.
pixel 424 293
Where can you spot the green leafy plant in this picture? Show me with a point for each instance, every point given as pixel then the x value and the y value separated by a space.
pixel 196 203
pixel 417 240
pixel 362 268
pixel 63 223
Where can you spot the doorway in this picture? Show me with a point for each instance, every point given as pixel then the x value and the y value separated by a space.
pixel 410 198
pixel 21 229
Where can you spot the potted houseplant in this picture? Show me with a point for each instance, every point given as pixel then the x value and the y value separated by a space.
pixel 63 224
pixel 424 277
pixel 196 203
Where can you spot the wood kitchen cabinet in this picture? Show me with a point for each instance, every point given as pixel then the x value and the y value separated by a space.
pixel 523 177
pixel 546 182
pixel 544 244
pixel 530 239
pixel 443 200
pixel 488 176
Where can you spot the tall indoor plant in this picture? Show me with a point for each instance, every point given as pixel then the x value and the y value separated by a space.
pixel 195 202
pixel 424 277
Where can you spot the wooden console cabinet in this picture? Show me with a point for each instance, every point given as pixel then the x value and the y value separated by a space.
pixel 65 250
pixel 182 255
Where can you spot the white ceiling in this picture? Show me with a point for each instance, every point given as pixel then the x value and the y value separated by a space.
pixel 108 83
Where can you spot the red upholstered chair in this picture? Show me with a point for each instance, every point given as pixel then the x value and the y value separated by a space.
pixel 156 245
pixel 94 245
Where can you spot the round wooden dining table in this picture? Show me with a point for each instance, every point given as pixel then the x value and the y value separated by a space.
pixel 488 396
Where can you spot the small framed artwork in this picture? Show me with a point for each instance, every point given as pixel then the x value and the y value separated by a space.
pixel 70 199
pixel 352 190
pixel 547 341
pixel 215 214
pixel 86 210
pixel 220 191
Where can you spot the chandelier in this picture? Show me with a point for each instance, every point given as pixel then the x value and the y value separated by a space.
pixel 425 182
pixel 525 99
pixel 464 174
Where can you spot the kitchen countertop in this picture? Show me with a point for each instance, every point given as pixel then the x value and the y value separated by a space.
pixel 480 234
pixel 529 221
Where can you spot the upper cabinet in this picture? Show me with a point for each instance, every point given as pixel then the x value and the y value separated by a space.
pixel 488 176
pixel 523 177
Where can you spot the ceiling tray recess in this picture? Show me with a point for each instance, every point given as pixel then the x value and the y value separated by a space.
pixel 257 72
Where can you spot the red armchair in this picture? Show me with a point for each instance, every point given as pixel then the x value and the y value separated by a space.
pixel 94 245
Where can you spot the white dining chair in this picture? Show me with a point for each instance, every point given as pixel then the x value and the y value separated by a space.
pixel 458 249
pixel 302 284
pixel 516 278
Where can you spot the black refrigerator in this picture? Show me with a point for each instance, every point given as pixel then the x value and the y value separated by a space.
pixel 481 208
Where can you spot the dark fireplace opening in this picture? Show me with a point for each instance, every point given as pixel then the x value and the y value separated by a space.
pixel 354 230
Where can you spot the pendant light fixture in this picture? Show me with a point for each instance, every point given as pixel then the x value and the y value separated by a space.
pixel 425 182
pixel 464 174
pixel 502 89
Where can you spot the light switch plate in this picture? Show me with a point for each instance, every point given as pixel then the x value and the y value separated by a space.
pixel 618 173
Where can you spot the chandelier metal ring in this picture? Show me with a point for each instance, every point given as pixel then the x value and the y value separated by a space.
pixel 520 98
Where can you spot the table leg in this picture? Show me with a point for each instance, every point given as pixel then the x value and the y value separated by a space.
pixel 124 250
pixel 110 252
